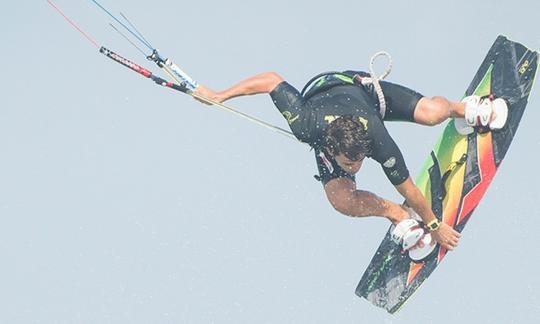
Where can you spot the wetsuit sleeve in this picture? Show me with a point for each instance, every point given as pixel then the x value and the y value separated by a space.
pixel 292 105
pixel 287 98
pixel 386 152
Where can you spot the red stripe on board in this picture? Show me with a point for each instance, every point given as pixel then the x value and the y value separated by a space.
pixel 486 164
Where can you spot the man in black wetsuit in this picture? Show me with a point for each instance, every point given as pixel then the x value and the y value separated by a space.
pixel 340 118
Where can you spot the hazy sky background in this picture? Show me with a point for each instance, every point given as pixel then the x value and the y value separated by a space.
pixel 124 202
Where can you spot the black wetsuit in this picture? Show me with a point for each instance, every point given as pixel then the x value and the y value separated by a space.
pixel 337 94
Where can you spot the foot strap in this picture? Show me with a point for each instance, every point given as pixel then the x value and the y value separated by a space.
pixel 407 233
pixel 420 253
pixel 482 112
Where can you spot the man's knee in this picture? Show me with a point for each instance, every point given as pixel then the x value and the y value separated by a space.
pixel 432 111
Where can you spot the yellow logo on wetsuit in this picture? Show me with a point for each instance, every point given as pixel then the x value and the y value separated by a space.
pixel 289 116
pixel 363 121
pixel 523 68
pixel 331 118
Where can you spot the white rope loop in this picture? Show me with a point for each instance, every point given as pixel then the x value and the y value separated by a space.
pixel 374 79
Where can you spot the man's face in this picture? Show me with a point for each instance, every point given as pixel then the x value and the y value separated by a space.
pixel 348 165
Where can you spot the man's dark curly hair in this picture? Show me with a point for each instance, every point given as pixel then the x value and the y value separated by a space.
pixel 348 136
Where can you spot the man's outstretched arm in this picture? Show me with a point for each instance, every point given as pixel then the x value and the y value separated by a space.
pixel 261 83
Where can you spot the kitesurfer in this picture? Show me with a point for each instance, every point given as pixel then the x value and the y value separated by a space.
pixel 340 118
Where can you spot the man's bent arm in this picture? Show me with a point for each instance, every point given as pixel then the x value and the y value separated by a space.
pixel 346 199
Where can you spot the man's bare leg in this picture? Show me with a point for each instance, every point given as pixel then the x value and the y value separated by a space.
pixel 435 110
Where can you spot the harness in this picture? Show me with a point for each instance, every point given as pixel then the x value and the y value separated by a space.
pixel 327 80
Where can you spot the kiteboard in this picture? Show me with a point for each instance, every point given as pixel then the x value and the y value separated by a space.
pixel 456 174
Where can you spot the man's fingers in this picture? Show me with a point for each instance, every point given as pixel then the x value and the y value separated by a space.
pixel 456 233
pixel 451 244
